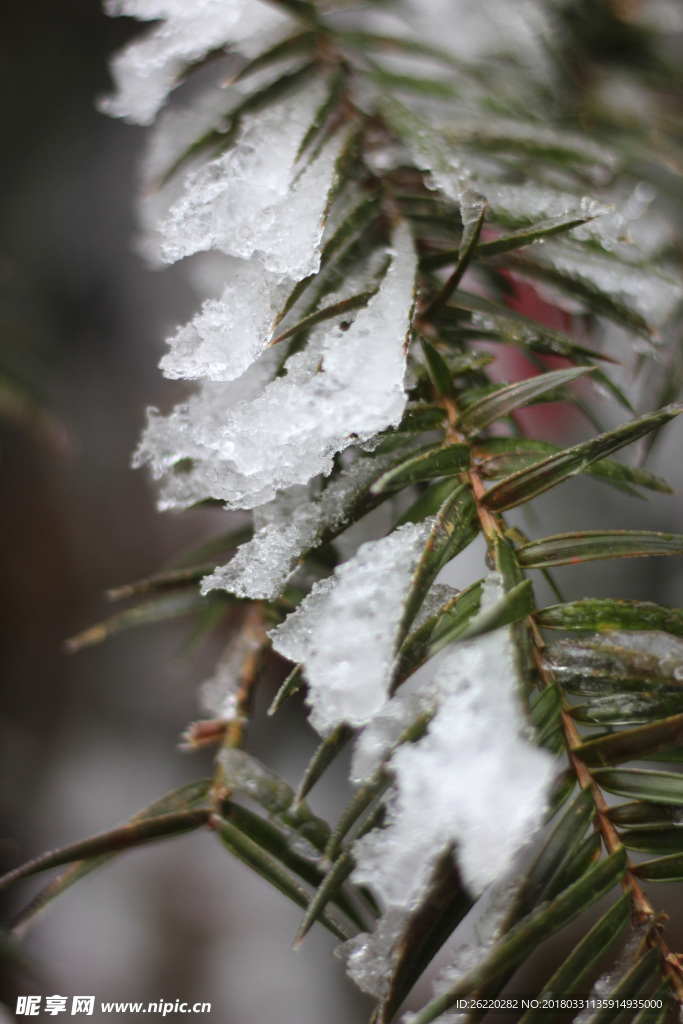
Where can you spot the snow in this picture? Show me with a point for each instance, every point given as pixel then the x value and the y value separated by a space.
pixel 178 127
pixel 296 636
pixel 170 446
pixel 253 198
pixel 148 68
pixel 346 638
pixel 231 332
pixel 250 441
pixel 345 635
pixel 376 741
pixel 371 957
pixel 172 144
pixel 288 527
pixel 181 125
pixel 439 799
pixel 263 426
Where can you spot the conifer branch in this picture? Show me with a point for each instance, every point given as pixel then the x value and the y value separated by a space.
pixel 395 215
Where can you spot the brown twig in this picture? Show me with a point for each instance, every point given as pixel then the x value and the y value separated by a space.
pixel 643 913
pixel 253 637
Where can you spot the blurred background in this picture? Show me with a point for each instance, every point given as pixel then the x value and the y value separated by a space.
pixel 88 739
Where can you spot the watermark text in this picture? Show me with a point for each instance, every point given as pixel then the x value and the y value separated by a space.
pixel 32 1006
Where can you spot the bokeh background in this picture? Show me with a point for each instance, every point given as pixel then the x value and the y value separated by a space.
pixel 87 740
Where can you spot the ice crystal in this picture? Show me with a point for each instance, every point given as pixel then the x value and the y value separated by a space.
pixel 247 775
pixel 287 528
pixel 472 206
pixel 346 637
pixel 370 957
pixel 528 137
pixel 632 950
pixel 481 28
pixel 230 332
pixel 482 926
pixel 428 148
pixel 346 386
pixel 252 199
pixel 437 596
pixel 650 655
pixel 528 204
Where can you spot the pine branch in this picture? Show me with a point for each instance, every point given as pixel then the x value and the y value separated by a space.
pixel 389 208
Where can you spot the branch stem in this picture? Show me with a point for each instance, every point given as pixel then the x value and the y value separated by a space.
pixel 643 913
pixel 255 639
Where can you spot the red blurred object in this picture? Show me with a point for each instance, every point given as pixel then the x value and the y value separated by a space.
pixel 553 422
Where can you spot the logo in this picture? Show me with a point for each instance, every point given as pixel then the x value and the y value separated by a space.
pixel 28 1006
pixel 83 1004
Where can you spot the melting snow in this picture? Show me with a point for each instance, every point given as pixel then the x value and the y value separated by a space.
pixel 287 528
pixel 251 199
pixel 439 799
pixel 346 386
pixel 450 789
pixel 231 332
pixel 150 67
pixel 346 635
